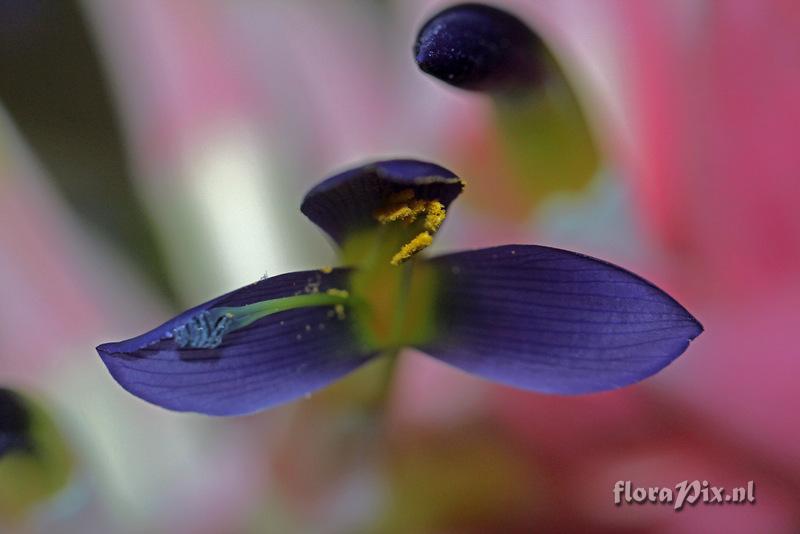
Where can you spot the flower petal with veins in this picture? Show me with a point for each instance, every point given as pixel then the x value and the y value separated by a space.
pixel 554 321
pixel 276 359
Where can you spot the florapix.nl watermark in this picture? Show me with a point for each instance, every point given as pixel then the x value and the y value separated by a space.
pixel 686 492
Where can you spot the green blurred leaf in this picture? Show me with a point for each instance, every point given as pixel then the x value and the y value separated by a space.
pixel 55 90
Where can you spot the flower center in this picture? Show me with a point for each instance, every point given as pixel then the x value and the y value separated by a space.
pixel 394 293
pixel 391 301
pixel 403 208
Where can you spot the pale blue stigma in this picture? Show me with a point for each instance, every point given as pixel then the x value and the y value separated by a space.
pixel 203 331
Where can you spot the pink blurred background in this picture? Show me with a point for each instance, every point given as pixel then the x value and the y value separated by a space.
pixel 156 156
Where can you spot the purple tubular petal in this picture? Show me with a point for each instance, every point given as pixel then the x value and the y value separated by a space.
pixel 348 201
pixel 276 359
pixel 554 321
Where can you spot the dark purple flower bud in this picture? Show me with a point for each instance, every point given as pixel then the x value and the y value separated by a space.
pixel 14 423
pixel 481 48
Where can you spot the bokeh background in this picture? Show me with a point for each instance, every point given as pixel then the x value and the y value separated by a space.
pixel 153 154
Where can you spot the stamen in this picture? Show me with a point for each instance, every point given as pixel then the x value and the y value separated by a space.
pixel 403 207
pixel 421 241
pixel 435 217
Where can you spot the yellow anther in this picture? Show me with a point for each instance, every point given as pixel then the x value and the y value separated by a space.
pixel 327 270
pixel 401 212
pixel 435 215
pixel 420 242
pixel 338 293
pixel 403 207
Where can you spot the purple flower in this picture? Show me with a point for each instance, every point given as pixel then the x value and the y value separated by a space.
pixel 534 317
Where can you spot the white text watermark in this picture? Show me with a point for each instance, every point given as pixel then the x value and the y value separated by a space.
pixel 686 492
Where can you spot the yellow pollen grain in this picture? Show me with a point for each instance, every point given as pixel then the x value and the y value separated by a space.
pixel 327 270
pixel 339 309
pixel 420 242
pixel 338 293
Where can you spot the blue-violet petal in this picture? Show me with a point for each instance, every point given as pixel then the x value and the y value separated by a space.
pixel 276 359
pixel 554 321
